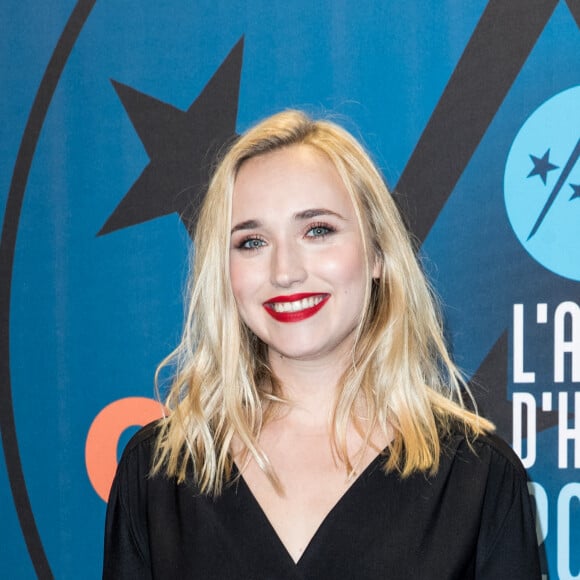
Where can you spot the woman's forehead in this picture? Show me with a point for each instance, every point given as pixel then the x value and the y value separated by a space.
pixel 299 175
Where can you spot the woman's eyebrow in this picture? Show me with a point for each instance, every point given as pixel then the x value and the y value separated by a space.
pixel 247 225
pixel 315 212
pixel 302 215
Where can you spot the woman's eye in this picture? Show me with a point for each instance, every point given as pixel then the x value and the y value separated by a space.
pixel 252 244
pixel 319 231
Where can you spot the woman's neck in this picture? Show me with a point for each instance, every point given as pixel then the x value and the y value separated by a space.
pixel 310 387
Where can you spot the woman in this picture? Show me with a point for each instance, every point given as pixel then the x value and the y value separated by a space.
pixel 317 427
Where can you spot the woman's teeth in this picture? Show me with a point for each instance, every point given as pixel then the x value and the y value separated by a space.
pixel 297 305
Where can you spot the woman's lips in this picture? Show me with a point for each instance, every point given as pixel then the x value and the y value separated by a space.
pixel 295 307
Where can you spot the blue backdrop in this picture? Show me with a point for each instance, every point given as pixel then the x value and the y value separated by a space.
pixel 472 111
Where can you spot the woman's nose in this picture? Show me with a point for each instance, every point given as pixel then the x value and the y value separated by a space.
pixel 287 268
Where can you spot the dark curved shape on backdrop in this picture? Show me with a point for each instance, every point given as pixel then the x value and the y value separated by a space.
pixel 20 175
pixel 490 63
pixel 574 7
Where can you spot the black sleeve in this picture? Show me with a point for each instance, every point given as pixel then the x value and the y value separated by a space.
pixel 126 553
pixel 507 546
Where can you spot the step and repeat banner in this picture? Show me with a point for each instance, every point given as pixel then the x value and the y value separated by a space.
pixel 111 112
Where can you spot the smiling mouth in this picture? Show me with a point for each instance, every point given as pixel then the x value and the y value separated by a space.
pixel 296 307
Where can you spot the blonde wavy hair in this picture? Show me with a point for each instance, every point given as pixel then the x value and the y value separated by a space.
pixel 401 374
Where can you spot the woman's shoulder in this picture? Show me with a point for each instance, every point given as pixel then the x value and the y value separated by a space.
pixel 488 450
pixel 491 480
pixel 140 449
pixel 145 437
pixel 501 450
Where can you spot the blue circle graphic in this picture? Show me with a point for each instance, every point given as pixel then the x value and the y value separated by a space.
pixel 542 184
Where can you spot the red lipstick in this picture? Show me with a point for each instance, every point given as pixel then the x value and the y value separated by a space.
pixel 295 307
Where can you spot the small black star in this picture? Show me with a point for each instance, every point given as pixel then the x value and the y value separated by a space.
pixel 181 146
pixel 542 166
pixel 576 193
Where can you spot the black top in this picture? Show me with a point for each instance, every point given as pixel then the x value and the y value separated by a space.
pixel 471 520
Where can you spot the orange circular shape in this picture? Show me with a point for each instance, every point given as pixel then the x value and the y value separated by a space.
pixel 104 433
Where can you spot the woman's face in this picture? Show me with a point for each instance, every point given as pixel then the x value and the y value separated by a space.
pixel 297 264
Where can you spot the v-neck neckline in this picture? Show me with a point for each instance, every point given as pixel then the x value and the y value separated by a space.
pixel 350 490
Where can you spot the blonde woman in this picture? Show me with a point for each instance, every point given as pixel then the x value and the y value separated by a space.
pixel 316 424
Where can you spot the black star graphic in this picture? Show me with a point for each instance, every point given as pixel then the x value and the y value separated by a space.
pixel 181 146
pixel 576 193
pixel 542 166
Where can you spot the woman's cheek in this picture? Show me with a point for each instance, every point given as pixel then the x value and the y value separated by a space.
pixel 244 281
pixel 343 265
pixel 236 279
